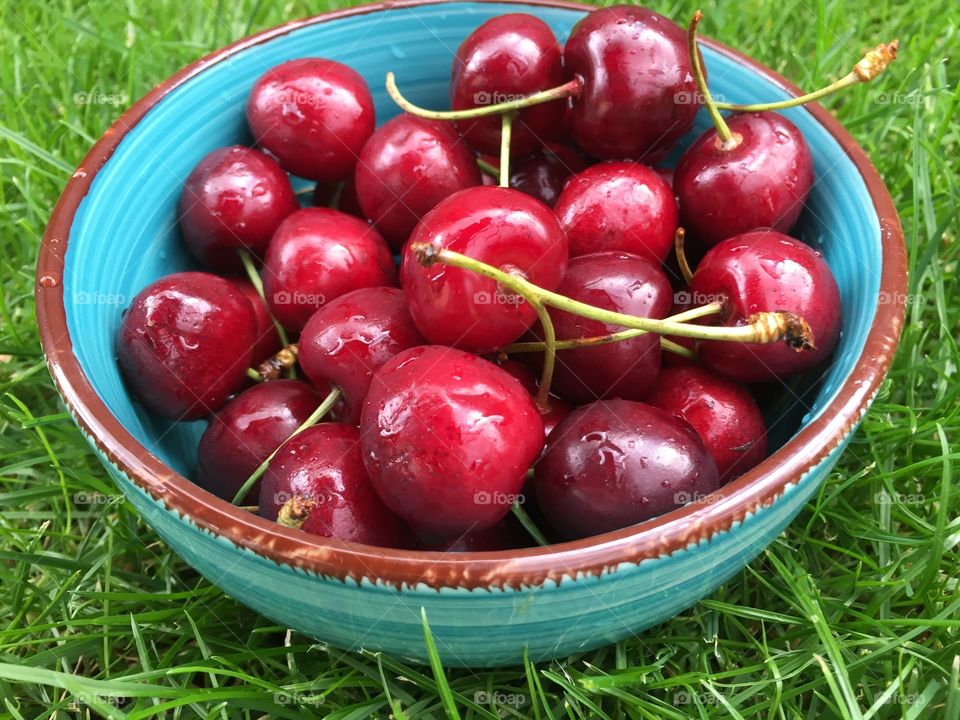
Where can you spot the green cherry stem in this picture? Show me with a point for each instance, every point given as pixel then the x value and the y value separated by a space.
pixel 316 416
pixel 871 64
pixel 677 349
pixel 254 375
pixel 271 368
pixel 571 88
pixel 506 125
pixel 488 168
pixel 727 139
pixel 521 515
pixel 761 327
pixel 678 240
pixel 254 277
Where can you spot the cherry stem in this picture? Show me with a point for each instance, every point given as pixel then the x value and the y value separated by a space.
pixel 294 512
pixel 571 88
pixel 685 270
pixel 521 515
pixel 506 127
pixel 254 375
pixel 677 349
pixel 871 64
pixel 271 368
pixel 761 327
pixel 728 141
pixel 254 277
pixel 322 409
pixel 487 168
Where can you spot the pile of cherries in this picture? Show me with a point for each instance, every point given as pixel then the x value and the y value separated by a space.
pixel 543 345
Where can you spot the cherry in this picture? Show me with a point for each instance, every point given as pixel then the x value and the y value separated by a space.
pixel 559 409
pixel 614 463
pixel 760 271
pixel 447 439
pixel 184 344
pixel 508 56
pixel 233 200
pixel 318 254
pixel 407 166
pixel 339 196
pixel 350 338
pixel 723 413
pixel 543 174
pixel 618 206
pixel 313 115
pixel 243 433
pixel 623 283
pixel 317 482
pixel 462 309
pixel 638 93
pixel 267 341
pixel 508 534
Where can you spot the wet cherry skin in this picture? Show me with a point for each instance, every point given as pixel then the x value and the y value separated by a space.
pixel 267 341
pixel 503 227
pixel 615 463
pixel 350 338
pixel 184 344
pixel 618 206
pixel 233 200
pixel 323 464
pixel 507 57
pixel 722 411
pixel 762 183
pixel 639 95
pixel 623 283
pixel 544 173
pixel 244 432
pixel 765 270
pixel 406 167
pixel 313 115
pixel 318 254
pixel 447 439
pixel 559 408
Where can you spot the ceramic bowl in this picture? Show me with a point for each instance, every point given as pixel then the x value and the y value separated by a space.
pixel 114 230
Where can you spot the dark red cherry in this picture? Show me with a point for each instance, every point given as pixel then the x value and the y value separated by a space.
pixel 759 271
pixel 613 281
pixel 184 344
pixel 723 413
pixel 498 226
pixel 761 183
pixel 447 439
pixel 339 196
pixel 508 534
pixel 639 96
pixel 322 470
pixel 544 173
pixel 618 206
pixel 267 341
pixel 615 463
pixel 559 408
pixel 233 200
pixel 244 432
pixel 350 338
pixel 318 254
pixel 313 115
pixel 508 57
pixel 407 166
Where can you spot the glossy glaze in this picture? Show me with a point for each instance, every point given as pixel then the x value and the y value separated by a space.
pixel 615 463
pixel 762 183
pixel 498 226
pixel 447 439
pixel 351 337
pixel 313 115
pixel 408 166
pixel 233 200
pixel 184 344
pixel 318 254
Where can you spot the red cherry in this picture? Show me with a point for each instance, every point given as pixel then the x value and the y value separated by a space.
pixel 759 271
pixel 638 96
pixel 508 534
pixel 618 206
pixel 350 338
pixel 628 369
pixel 313 115
pixel 243 433
pixel 505 228
pixel 723 413
pixel 507 57
pixel 184 344
pixel 233 200
pixel 267 341
pixel 559 409
pixel 615 463
pixel 447 439
pixel 762 182
pixel 407 166
pixel 544 174
pixel 318 254
pixel 322 465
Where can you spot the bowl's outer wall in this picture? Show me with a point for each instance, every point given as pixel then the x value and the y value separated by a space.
pixel 124 236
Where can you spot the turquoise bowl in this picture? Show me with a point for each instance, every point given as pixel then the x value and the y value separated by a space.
pixel 114 230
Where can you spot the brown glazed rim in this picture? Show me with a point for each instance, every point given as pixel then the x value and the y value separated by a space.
pixel 517 568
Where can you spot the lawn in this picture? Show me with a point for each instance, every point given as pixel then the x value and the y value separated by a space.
pixel 853 613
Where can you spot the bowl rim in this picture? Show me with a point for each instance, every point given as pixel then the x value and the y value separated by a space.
pixel 664 535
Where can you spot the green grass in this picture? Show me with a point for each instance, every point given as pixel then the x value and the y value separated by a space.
pixel 853 613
